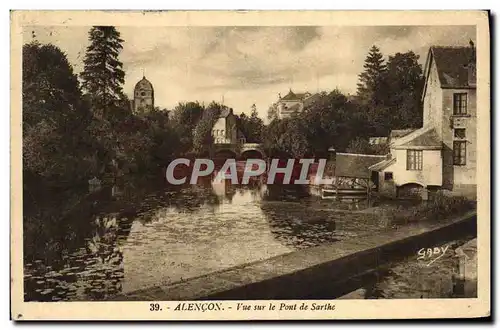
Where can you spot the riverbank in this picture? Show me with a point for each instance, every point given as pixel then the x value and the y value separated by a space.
pixel 313 271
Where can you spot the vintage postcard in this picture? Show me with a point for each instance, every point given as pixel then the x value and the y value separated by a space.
pixel 250 165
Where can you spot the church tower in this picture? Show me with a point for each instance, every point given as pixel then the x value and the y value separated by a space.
pixel 144 96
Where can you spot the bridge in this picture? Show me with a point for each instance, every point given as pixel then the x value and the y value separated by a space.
pixel 238 150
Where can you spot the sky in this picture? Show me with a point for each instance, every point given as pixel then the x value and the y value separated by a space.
pixel 242 66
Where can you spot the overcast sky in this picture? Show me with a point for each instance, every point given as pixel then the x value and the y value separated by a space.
pixel 246 65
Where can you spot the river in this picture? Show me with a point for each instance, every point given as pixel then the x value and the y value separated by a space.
pixel 135 235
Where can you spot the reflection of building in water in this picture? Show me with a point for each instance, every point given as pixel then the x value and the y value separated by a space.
pixel 224 190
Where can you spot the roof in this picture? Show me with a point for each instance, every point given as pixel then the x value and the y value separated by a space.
pixel 378 140
pixel 225 112
pixel 423 138
pixel 143 84
pixel 399 133
pixel 355 165
pixel 311 99
pixel 382 165
pixel 453 65
pixel 291 96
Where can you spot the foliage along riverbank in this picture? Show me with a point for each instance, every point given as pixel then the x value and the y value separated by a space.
pixel 75 128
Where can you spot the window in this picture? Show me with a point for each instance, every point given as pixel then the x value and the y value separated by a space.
pixel 459 133
pixel 222 132
pixel 387 176
pixel 460 104
pixel 459 152
pixel 414 160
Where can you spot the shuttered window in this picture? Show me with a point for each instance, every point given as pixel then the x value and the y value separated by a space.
pixel 414 160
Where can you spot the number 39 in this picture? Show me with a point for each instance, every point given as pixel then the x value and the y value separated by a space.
pixel 154 307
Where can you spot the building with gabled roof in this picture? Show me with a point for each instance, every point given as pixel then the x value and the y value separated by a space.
pixel 225 129
pixel 293 103
pixel 441 154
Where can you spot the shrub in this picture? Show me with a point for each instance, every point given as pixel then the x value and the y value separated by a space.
pixel 441 206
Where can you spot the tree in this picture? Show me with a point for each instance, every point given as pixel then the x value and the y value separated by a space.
pixel 251 127
pixel 56 143
pixel 332 121
pixel 188 114
pixel 274 138
pixel 103 74
pixel 404 80
pixel 254 112
pixel 272 112
pixel 50 88
pixel 184 118
pixel 202 137
pixel 370 83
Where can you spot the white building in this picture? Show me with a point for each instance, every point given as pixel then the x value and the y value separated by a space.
pixel 441 154
pixel 225 129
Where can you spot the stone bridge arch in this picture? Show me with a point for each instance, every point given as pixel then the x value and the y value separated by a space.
pixel 225 152
pixel 244 150
pixel 252 150
pixel 412 190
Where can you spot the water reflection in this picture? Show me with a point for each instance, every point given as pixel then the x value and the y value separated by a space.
pixel 134 235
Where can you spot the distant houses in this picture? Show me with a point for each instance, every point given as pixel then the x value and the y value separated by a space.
pixel 441 154
pixel 293 103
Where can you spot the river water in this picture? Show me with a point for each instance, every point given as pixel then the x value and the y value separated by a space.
pixel 131 236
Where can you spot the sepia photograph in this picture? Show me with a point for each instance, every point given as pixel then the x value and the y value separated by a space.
pixel 234 168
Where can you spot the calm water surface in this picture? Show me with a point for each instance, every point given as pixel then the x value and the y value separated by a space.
pixel 128 237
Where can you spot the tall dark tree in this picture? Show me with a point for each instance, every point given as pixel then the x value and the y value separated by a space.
pixel 55 119
pixel 103 74
pixel 188 114
pixel 251 127
pixel 254 112
pixel 370 83
pixel 202 137
pixel 272 112
pixel 404 80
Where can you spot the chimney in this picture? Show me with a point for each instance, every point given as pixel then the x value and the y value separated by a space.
pixel 471 66
pixel 332 153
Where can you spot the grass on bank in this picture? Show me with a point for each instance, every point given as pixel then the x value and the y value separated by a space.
pixel 439 207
